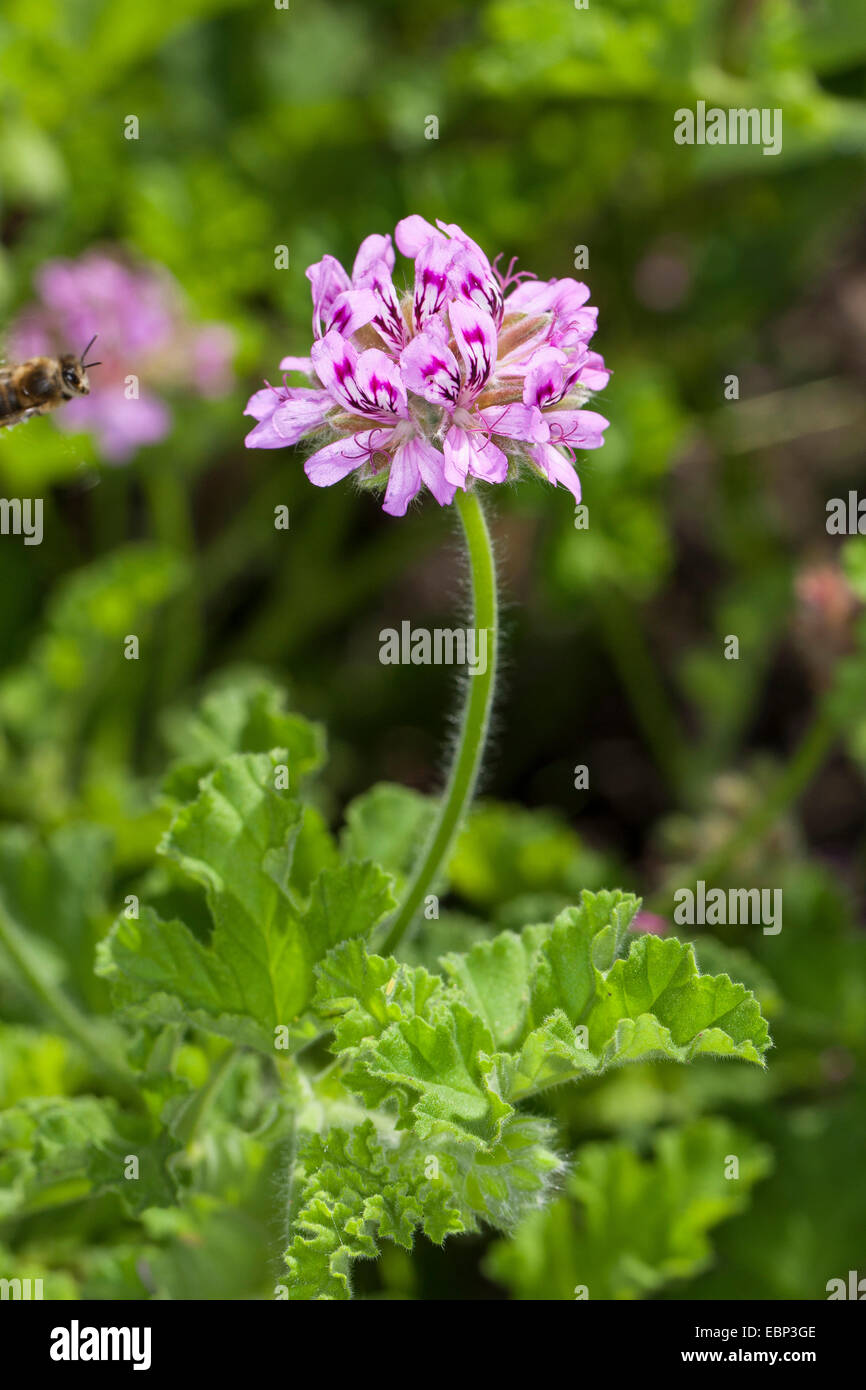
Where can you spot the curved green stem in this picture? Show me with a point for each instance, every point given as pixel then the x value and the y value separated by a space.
pixel 71 1021
pixel 473 725
pixel 199 1106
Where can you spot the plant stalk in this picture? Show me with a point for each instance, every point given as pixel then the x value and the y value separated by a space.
pixel 474 723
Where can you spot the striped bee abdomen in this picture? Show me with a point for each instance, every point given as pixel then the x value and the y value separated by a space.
pixel 10 402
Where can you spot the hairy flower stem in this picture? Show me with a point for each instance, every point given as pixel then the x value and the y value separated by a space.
pixel 473 726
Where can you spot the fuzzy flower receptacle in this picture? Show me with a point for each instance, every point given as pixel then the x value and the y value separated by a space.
pixel 469 374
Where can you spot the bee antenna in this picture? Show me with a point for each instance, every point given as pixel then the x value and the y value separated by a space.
pixel 86 351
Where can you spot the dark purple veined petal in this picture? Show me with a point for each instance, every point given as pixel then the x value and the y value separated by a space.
pixel 475 281
pixel 328 279
pixel 367 384
pixel 350 311
pixel 387 318
pixel 380 384
pixel 545 373
pixel 550 375
pixel 429 367
pixel 432 279
pixel 475 335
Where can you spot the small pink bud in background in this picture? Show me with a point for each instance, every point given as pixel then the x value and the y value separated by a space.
pixel 650 923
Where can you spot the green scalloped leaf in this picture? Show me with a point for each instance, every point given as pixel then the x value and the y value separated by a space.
pixel 412 1044
pixel 437 1075
pixel 525 1013
pixel 551 1054
pixel 237 839
pixel 56 1150
pixel 356 1189
pixel 387 824
pixel 245 714
pixel 655 1003
pixel 366 993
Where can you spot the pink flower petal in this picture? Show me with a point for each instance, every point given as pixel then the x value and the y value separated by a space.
pixel 524 422
pixel 373 248
pixel 582 429
pixel 301 410
pixel 404 481
pixel 351 310
pixel 262 404
pixel 333 463
pixel 265 436
pixel 556 468
pixel 328 280
pixel 429 367
pixel 431 465
pixel 594 375
pixel 468 451
pixel 475 335
pixel 413 233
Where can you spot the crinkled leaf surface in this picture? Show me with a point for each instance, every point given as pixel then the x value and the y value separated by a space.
pixel 356 1189
pixel 56 1149
pixel 451 1059
pixel 237 840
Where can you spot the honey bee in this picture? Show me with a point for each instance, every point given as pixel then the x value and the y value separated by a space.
pixel 41 384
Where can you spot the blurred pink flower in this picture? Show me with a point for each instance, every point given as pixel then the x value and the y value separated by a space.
pixel 146 343
pixel 466 373
pixel 649 923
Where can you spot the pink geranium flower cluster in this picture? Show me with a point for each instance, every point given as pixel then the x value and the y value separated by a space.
pixel 147 343
pixel 470 371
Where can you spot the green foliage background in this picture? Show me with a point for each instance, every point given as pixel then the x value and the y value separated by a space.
pixel 305 127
